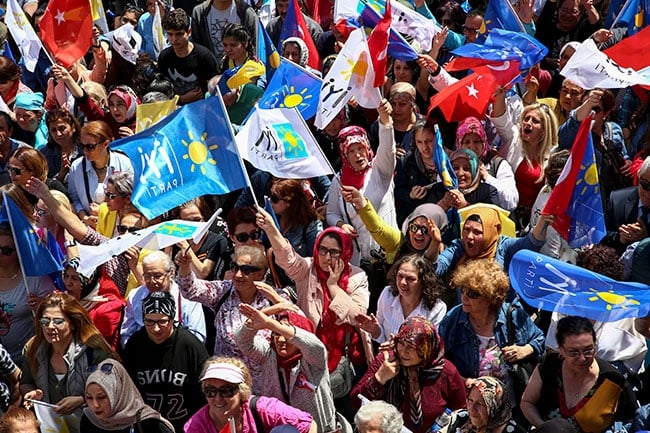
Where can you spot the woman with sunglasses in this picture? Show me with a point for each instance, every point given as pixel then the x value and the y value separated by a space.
pixel 117 203
pixel 89 175
pixel 24 163
pixel 414 375
pixel 66 343
pixel 476 331
pixel 227 385
pixel 576 385
pixel 248 269
pixel 115 405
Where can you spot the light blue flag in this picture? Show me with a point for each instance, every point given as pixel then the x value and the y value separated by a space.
pixel 500 15
pixel 188 154
pixel 553 285
pixel 34 255
pixel 292 86
pixel 633 14
pixel 266 52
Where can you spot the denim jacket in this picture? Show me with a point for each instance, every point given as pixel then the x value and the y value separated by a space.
pixel 462 343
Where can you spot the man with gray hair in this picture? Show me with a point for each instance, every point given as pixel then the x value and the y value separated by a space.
pixel 379 417
pixel 158 272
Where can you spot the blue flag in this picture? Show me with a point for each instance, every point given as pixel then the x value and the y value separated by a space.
pixel 292 86
pixel 500 15
pixel 633 14
pixel 188 154
pixel 502 45
pixel 442 162
pixel 266 52
pixel 398 48
pixel 553 285
pixel 34 255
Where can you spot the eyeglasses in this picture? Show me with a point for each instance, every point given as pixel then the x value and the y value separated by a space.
pixel 469 30
pixel 111 195
pixel 333 252
pixel 123 229
pixel 150 323
pixel 569 11
pixel 245 269
pixel 154 277
pixel 471 294
pixel 17 171
pixel 45 321
pixel 224 391
pixel 596 109
pixel 275 198
pixel 644 184
pixel 588 353
pixel 414 228
pixel 40 212
pixel 244 237
pixel 105 368
pixel 89 147
pixel 7 251
pixel 545 108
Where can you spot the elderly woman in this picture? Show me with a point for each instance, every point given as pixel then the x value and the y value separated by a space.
pixel 404 116
pixel 227 385
pixel 30 117
pixel 246 286
pixel 476 331
pixel 379 417
pixel 489 410
pixel 66 343
pixel 414 290
pixel 576 385
pixel 115 405
pixel 372 175
pixel 414 376
pixel 295 362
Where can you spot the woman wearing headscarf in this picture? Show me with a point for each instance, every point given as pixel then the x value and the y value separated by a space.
pixel 115 405
pixel 413 372
pixel 30 117
pixel 489 410
pixel 404 115
pixel 481 239
pixel 296 50
pixel 493 170
pixel 294 362
pixel 331 291
pixel 372 175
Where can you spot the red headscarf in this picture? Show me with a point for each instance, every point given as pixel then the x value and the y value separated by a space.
pixel 347 137
pixel 299 321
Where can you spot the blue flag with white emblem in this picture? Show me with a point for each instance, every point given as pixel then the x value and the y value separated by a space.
pixel 278 141
pixel 553 285
pixel 500 15
pixel 292 87
pixel 188 154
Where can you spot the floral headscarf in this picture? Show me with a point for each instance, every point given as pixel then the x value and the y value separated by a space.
pixel 471 157
pixel 348 136
pixel 499 407
pixel 126 94
pixel 472 125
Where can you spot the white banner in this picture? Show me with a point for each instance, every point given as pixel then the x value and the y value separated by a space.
pixel 23 33
pixel 409 22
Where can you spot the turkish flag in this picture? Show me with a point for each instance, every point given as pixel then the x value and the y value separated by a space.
pixel 67 29
pixel 504 73
pixel 467 97
pixel 378 46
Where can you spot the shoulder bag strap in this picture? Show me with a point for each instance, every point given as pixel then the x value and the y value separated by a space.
pixel 510 325
pixel 256 416
pixel 222 300
pixel 83 167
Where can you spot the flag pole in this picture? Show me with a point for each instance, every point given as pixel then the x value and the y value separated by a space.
pixel 302 119
pixel 620 13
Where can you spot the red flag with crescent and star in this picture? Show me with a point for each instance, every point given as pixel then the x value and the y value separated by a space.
pixel 67 29
pixel 467 97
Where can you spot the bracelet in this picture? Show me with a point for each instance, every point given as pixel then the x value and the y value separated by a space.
pixel 437 71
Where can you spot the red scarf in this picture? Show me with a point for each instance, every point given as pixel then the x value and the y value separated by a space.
pixel 299 321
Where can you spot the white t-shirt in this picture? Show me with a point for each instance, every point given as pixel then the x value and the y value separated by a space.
pixel 217 20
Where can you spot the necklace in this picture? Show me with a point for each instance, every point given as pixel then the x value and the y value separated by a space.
pixel 101 169
pixel 13 277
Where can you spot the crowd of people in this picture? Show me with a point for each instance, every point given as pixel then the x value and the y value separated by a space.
pixel 360 299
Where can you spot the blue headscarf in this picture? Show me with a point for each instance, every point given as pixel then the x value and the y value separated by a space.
pixel 35 102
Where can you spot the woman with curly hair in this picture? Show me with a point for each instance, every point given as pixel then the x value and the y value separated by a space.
pixel 476 331
pixel 414 290
pixel 66 343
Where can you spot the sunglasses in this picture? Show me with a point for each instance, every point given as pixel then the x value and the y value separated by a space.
pixel 644 184
pixel 596 109
pixel 414 228
pixel 7 251
pixel 123 229
pixel 471 294
pixel 40 212
pixel 244 237
pixel 89 147
pixel 224 391
pixel 245 269
pixel 105 368
pixel 111 196
pixel 17 171
pixel 45 321
pixel 275 198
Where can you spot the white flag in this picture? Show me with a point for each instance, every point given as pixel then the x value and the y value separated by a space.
pixel 51 422
pixel 409 22
pixel 351 75
pixel 23 33
pixel 159 39
pixel 278 140
pixel 589 68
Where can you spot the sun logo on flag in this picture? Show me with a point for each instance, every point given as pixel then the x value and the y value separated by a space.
pixel 358 69
pixel 613 299
pixel 588 180
pixel 294 145
pixel 295 99
pixel 198 152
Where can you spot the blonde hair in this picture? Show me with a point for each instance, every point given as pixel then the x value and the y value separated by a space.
pixel 246 387
pixel 486 277
pixel 540 151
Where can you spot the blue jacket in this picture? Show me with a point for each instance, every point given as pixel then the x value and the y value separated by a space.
pixel 506 248
pixel 462 343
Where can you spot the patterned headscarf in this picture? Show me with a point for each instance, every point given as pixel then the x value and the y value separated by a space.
pixel 126 94
pixel 348 136
pixel 471 157
pixel 499 407
pixel 472 125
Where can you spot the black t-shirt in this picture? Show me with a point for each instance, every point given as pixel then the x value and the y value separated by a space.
pixel 150 425
pixel 193 70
